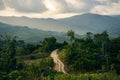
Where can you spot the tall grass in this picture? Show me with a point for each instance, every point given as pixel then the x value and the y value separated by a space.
pixel 86 76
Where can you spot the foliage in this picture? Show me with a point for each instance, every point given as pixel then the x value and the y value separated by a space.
pixel 86 76
pixel 92 53
pixel 95 57
pixel 48 44
pixel 25 49
pixel 7 53
pixel 41 69
pixel 71 34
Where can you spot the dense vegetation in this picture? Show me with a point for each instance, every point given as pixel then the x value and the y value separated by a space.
pixel 96 52
pixel 94 57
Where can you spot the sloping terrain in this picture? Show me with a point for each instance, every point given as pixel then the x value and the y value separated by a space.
pixel 30 35
pixel 93 23
pixel 80 24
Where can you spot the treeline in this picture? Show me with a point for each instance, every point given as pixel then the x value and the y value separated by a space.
pixel 93 53
pixel 14 53
pixel 97 53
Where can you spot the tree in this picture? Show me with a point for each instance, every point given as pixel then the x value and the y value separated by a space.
pixel 89 36
pixel 48 44
pixel 71 34
pixel 7 53
pixel 101 38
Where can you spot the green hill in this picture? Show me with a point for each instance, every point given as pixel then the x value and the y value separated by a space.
pixel 30 35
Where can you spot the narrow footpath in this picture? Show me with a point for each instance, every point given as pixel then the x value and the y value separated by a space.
pixel 59 66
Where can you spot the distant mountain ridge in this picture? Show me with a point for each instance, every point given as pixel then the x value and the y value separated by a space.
pixel 93 23
pixel 80 24
pixel 31 35
pixel 39 23
pixel 117 17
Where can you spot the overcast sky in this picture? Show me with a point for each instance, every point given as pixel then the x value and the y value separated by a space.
pixel 58 8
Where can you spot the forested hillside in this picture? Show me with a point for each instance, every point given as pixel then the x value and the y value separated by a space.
pixel 81 24
pixel 94 57
pixel 31 35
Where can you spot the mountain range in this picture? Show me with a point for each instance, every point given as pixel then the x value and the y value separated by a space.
pixel 80 24
pixel 45 27
pixel 93 23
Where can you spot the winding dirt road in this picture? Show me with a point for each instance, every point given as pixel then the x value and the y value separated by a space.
pixel 59 66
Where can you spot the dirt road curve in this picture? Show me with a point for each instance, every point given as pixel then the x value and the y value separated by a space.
pixel 59 66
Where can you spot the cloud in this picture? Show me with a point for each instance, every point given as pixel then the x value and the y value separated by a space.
pixel 55 7
pixel 116 1
pixel 108 2
pixel 107 7
pixel 73 6
pixel 83 5
pixel 2 6
pixel 26 5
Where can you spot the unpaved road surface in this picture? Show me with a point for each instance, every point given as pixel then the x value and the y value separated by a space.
pixel 59 66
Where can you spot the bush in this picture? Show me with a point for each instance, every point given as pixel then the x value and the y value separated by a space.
pixel 17 75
